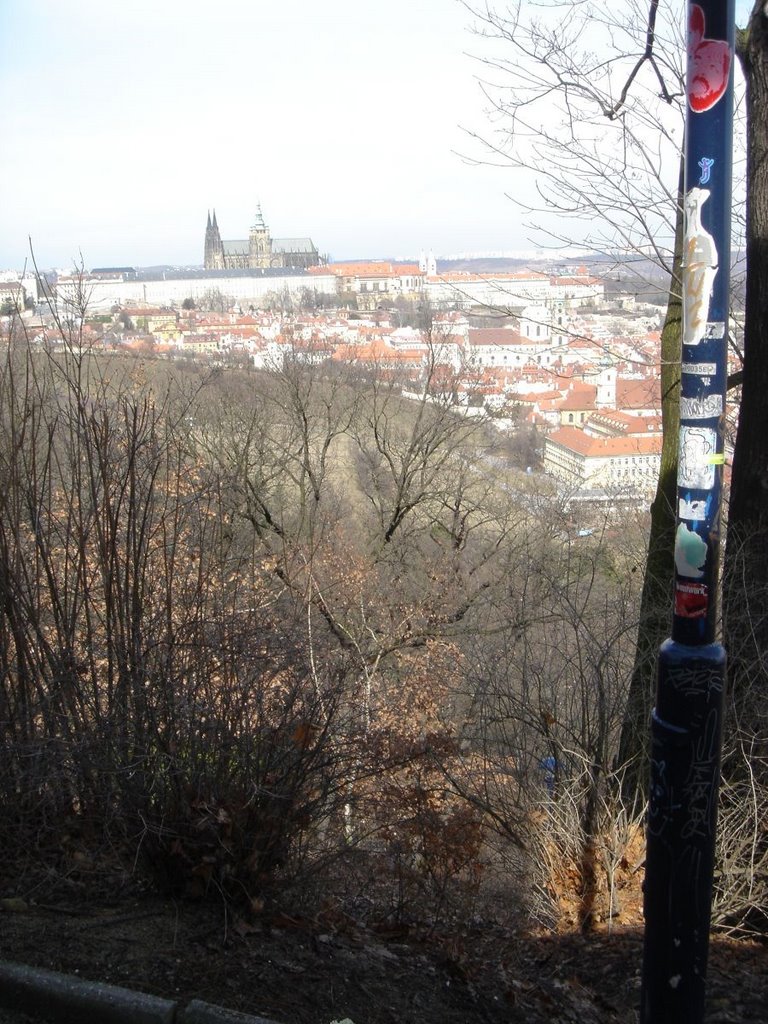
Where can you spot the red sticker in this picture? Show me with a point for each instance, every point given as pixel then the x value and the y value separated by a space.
pixel 709 64
pixel 691 600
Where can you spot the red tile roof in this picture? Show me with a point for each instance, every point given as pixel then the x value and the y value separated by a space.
pixel 638 394
pixel 625 423
pixel 580 396
pixel 497 336
pixel 605 447
pixel 370 268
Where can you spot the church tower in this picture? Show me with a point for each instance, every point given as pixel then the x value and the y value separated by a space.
pixel 259 242
pixel 428 264
pixel 214 250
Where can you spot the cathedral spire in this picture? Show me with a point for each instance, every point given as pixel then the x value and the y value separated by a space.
pixel 258 221
pixel 213 254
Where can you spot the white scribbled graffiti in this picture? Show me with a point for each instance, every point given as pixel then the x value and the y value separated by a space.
pixel 705 408
pixel 698 458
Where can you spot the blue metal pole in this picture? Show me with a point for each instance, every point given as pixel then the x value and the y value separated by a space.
pixel 687 719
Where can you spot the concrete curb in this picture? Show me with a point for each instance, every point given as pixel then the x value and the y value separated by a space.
pixel 198 1012
pixel 64 999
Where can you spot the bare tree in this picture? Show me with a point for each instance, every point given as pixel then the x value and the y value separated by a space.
pixel 150 697
pixel 593 102
pixel 587 104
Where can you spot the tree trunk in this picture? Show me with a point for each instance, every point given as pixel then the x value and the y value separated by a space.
pixel 745 597
pixel 656 598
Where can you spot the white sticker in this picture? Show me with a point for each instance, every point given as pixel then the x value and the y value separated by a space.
pixel 705 408
pixel 703 369
pixel 700 262
pixel 698 447
pixel 695 509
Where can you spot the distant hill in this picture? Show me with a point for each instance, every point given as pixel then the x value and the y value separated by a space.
pixel 487 265
pixel 553 263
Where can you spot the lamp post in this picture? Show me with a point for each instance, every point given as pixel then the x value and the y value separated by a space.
pixel 687 719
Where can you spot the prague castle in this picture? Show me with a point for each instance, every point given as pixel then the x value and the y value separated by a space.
pixel 258 251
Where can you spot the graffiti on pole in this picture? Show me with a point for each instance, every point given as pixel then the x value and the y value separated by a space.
pixel 686 722
pixel 706 258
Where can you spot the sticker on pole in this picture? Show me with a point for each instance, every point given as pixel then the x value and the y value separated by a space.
pixel 709 64
pixel 698 449
pixel 700 263
pixel 691 600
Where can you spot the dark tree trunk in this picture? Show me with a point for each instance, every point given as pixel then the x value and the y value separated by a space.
pixel 745 597
pixel 656 598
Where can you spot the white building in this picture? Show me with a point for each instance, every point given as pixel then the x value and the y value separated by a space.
pixel 100 292
pixel 615 465
pixel 463 290
pixel 577 290
pixel 530 343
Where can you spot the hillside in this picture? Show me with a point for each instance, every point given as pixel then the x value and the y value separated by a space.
pixel 295 969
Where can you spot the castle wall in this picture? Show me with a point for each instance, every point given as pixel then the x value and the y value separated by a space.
pixel 102 295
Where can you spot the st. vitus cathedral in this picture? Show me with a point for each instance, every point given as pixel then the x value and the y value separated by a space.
pixel 258 250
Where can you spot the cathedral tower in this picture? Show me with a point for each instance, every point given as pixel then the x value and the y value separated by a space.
pixel 259 242
pixel 214 250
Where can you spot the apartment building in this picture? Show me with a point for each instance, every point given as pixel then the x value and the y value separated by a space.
pixel 626 464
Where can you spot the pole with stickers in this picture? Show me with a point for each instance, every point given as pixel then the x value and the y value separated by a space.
pixel 687 719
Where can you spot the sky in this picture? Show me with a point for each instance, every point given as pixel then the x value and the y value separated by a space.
pixel 124 123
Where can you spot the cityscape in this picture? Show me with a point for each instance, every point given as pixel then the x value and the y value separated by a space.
pixel 384 512
pixel 560 350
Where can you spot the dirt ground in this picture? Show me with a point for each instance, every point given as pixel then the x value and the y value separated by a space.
pixel 298 970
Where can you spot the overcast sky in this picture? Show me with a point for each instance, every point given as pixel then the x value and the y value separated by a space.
pixel 125 122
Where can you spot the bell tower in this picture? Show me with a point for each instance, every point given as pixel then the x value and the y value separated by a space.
pixel 259 242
